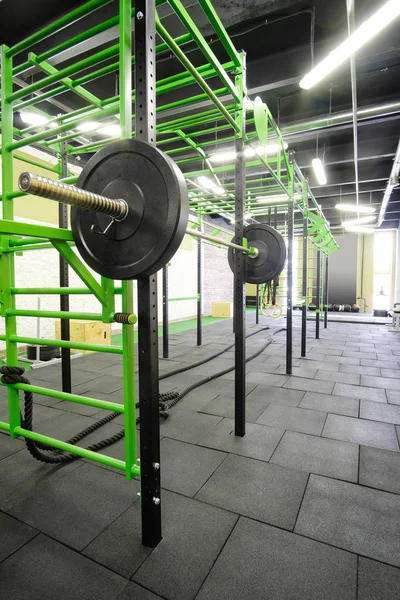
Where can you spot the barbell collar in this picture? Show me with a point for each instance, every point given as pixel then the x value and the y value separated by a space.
pixel 69 194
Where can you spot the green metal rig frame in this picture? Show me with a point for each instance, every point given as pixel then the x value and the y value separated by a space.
pixel 222 86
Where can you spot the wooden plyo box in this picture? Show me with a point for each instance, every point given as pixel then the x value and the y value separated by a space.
pixel 91 332
pixel 222 309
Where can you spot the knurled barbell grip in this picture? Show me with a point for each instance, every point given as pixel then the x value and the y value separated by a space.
pixel 69 194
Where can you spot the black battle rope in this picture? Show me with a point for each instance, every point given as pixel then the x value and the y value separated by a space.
pixel 167 400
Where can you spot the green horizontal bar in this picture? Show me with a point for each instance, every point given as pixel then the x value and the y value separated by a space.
pixel 64 344
pixel 33 247
pixel 25 242
pixel 39 231
pixel 55 26
pixel 82 452
pixel 56 291
pixel 39 97
pixel 4 426
pixel 30 161
pixel 16 194
pixel 86 400
pixel 187 298
pixel 220 31
pixel 53 314
pixel 71 179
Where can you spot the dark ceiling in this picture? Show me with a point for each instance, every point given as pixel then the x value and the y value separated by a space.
pixel 280 38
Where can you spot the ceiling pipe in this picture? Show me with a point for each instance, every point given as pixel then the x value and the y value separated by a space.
pixel 392 183
pixel 353 78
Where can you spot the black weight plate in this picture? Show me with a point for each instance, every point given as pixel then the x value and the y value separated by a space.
pixel 272 253
pixel 155 191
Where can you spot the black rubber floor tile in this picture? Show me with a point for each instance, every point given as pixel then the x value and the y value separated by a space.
pixel 186 468
pixel 259 442
pixel 309 385
pixel 77 507
pixel 393 397
pixel 319 363
pixel 198 398
pixel 377 411
pixel 274 395
pixel 256 489
pixel 339 405
pixel 13 535
pixel 54 375
pixel 360 369
pixel 359 391
pixel 352 378
pixel 224 406
pixel 119 547
pixel 106 384
pixel 260 562
pixel 302 420
pixel 352 517
pixel 45 570
pixel 360 431
pixel 21 475
pixel 137 592
pixel 347 360
pixel 388 383
pixel 317 455
pixel 377 581
pixel 380 469
pixel 270 379
pixel 187 426
pixel 194 534
pixel 224 386
pixel 9 446
pixel 392 373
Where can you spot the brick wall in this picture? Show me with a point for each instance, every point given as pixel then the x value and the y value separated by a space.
pixel 217 277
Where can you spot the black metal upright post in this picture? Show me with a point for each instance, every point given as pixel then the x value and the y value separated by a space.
pixel 239 266
pixel 304 273
pixel 145 78
pixel 290 240
pixel 257 303
pixel 64 282
pixel 326 294
pixel 318 295
pixel 199 288
pixel 165 312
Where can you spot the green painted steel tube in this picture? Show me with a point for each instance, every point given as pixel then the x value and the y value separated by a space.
pixel 86 400
pixel 55 26
pixel 56 291
pixel 16 194
pixel 220 31
pixel 181 299
pixel 71 179
pixel 4 426
pixel 35 163
pixel 64 344
pixel 192 70
pixel 17 243
pixel 203 46
pixel 82 452
pixel 53 314
pixel 7 226
pixel 7 273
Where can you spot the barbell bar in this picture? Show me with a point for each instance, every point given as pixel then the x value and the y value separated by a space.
pixel 117 209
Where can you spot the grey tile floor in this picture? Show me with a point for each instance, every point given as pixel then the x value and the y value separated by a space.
pixel 306 506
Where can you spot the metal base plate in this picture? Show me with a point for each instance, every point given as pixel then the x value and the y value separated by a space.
pixel 271 253
pixel 155 191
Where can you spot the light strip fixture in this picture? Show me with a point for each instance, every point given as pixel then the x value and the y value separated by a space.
pixel 319 171
pixel 353 208
pixel 360 221
pixel 368 30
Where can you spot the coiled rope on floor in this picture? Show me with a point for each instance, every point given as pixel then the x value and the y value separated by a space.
pixel 167 400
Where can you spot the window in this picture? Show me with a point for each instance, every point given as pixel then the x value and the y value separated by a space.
pixel 383 270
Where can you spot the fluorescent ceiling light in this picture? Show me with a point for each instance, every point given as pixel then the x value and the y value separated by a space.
pixel 278 198
pixel 33 118
pixel 360 229
pixel 360 221
pixel 112 130
pixel 369 29
pixel 89 126
pixel 366 210
pixel 206 182
pixel 230 155
pixel 218 190
pixel 319 171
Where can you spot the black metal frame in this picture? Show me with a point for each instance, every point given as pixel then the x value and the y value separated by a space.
pixel 257 303
pixel 239 317
pixel 64 282
pixel 145 121
pixel 165 312
pixel 199 288
pixel 304 289
pixel 289 310
pixel 318 295
pixel 326 294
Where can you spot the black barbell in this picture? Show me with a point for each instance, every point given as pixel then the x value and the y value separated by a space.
pixel 130 211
